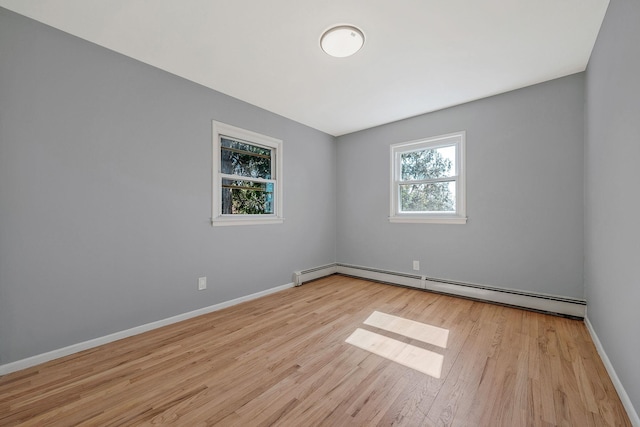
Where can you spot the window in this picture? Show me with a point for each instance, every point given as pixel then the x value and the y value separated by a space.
pixel 427 180
pixel 247 177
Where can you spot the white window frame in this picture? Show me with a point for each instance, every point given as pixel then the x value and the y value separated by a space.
pixel 457 140
pixel 253 138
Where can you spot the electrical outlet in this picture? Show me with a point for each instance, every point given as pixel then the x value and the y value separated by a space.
pixel 416 265
pixel 202 283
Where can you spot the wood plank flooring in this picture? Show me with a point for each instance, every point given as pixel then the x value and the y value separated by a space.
pixel 283 360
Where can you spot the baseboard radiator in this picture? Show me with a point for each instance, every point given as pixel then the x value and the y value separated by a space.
pixel 303 276
pixel 553 304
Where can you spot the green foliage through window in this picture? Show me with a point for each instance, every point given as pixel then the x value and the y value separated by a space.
pixel 246 196
pixel 427 165
pixel 428 180
pixel 242 159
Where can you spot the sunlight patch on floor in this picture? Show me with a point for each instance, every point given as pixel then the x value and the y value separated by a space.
pixel 409 328
pixel 408 355
pixel 411 356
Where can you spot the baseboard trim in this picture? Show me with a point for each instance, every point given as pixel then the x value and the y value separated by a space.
pixel 564 306
pixel 85 345
pixel 622 393
pixel 539 302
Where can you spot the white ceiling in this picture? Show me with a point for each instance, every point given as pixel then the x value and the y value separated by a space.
pixel 419 55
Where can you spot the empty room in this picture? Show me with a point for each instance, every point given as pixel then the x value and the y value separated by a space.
pixel 337 213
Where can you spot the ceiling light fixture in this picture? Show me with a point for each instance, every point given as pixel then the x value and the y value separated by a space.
pixel 342 41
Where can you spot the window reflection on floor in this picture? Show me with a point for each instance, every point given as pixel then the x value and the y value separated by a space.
pixel 411 356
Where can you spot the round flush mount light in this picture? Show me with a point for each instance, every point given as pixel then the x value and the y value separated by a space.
pixel 342 40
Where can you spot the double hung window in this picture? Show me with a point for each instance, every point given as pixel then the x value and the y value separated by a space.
pixel 247 177
pixel 428 180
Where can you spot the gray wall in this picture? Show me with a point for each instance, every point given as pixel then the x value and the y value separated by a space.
pixel 612 229
pixel 105 200
pixel 105 194
pixel 524 194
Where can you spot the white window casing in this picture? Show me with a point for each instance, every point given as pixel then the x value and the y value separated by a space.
pixel 275 181
pixel 451 207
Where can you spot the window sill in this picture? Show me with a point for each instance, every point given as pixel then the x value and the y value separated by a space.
pixel 428 220
pixel 231 220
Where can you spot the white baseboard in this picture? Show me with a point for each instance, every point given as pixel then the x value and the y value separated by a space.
pixel 75 348
pixel 535 301
pixel 549 303
pixel 624 397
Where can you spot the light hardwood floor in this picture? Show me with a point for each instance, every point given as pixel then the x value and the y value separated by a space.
pixel 283 360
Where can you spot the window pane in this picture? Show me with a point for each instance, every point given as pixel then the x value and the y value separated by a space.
pixel 428 164
pixel 247 197
pixel 433 197
pixel 240 158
